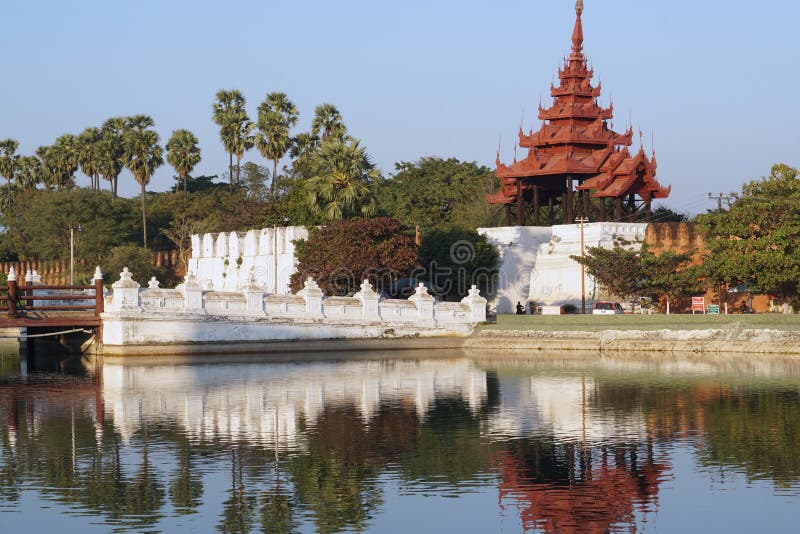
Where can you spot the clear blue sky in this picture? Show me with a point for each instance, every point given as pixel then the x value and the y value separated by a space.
pixel 718 83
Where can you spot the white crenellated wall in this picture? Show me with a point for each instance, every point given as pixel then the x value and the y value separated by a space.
pixel 259 258
pixel 535 263
pixel 190 314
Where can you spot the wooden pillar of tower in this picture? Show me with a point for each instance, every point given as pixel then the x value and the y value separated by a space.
pixel 648 211
pixel 568 202
pixel 508 214
pixel 602 209
pixel 631 215
pixel 587 204
pixel 618 209
pixel 520 205
pixel 550 210
pixel 536 205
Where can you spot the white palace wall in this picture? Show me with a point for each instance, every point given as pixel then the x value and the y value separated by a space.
pixel 535 263
pixel 190 314
pixel 229 261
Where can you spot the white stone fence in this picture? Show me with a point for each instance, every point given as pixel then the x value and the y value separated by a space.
pixel 308 305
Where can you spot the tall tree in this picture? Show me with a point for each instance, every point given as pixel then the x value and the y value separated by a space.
pixel 276 115
pixel 8 158
pixel 234 126
pixel 88 148
pixel 29 172
pixel 341 187
pixel 65 157
pixel 143 155
pixel 439 193
pixel 302 151
pixel 111 151
pixel 183 153
pixel 327 123
pixel 754 241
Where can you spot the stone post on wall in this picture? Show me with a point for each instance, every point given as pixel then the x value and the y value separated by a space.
pixel 126 293
pixel 312 294
pixel 192 295
pixel 424 302
pixel 254 299
pixel 477 305
pixel 369 302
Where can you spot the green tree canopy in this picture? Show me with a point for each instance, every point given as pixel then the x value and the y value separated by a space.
pixel 276 116
pixel 754 241
pixel 8 159
pixel 439 193
pixel 625 272
pixel 234 127
pixel 327 123
pixel 341 186
pixel 143 155
pixel 455 259
pixel 183 153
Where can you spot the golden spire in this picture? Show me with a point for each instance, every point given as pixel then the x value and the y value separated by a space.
pixel 579 7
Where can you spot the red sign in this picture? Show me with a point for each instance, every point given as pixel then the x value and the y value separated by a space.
pixel 698 304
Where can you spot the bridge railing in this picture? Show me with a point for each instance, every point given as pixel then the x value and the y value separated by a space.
pixel 29 297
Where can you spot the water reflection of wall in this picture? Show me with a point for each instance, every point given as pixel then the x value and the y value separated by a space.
pixel 564 407
pixel 264 404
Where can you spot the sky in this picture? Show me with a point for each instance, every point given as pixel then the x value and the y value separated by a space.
pixel 714 85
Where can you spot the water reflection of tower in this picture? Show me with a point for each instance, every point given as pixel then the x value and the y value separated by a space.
pixel 568 464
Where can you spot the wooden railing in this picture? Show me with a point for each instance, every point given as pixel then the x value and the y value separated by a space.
pixel 22 299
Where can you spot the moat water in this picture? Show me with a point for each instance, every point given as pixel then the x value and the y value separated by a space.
pixel 399 442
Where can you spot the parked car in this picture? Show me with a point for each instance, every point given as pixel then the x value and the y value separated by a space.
pixel 605 307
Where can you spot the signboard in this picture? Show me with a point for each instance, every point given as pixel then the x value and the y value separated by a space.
pixel 698 304
pixel 713 309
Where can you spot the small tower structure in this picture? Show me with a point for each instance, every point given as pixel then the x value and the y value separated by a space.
pixel 576 155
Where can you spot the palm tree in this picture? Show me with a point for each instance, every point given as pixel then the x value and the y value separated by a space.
pixel 327 123
pixel 111 151
pixel 65 159
pixel 235 126
pixel 88 148
pixel 8 158
pixel 143 156
pixel 29 172
pixel 47 171
pixel 138 122
pixel 183 154
pixel 341 189
pixel 276 115
pixel 303 148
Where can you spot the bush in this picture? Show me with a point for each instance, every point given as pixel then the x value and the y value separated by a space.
pixel 137 259
pixel 453 260
pixel 339 256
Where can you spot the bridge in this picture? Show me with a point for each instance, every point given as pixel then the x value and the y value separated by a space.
pixel 33 305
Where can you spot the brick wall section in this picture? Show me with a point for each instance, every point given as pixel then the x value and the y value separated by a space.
pixel 683 236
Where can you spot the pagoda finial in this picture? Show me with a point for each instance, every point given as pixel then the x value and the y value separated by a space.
pixel 577 33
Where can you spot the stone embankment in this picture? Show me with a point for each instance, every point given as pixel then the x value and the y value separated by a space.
pixel 727 340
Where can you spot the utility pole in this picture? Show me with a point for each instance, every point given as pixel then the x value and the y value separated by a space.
pixel 582 220
pixel 719 198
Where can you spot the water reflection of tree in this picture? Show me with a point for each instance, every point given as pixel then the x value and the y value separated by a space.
pixel 239 507
pixel 757 431
pixel 336 478
pixel 755 428
pixel 186 488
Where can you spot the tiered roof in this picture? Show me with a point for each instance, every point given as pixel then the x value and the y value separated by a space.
pixel 575 140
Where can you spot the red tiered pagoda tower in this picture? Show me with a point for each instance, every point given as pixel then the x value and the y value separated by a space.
pixel 575 155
